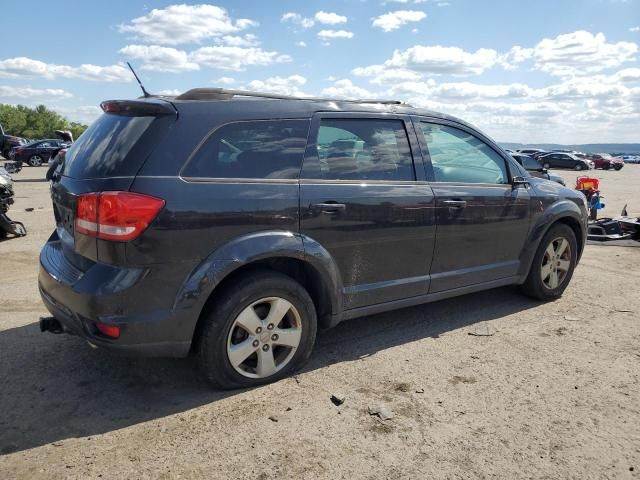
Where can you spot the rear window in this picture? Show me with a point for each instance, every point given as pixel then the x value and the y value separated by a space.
pixel 252 149
pixel 114 145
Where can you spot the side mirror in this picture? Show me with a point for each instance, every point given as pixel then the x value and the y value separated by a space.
pixel 518 181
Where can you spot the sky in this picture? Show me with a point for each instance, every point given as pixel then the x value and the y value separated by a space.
pixel 562 71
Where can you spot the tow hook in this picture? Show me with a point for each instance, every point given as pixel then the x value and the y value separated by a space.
pixel 50 324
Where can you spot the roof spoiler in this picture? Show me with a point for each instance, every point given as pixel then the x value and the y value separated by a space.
pixel 137 108
pixel 224 94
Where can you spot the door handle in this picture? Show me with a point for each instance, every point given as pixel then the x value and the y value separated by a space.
pixel 329 207
pixel 455 204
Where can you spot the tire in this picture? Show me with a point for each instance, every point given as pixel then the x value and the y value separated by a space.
pixel 256 292
pixel 534 286
pixel 547 166
pixel 617 167
pixel 578 166
pixel 35 161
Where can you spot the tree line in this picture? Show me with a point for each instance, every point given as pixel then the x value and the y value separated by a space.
pixel 36 123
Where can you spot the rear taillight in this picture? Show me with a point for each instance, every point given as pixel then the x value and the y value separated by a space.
pixel 119 216
pixel 112 331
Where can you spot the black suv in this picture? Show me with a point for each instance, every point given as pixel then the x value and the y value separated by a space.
pixel 234 225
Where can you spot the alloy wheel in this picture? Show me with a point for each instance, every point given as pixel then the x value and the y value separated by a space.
pixel 264 337
pixel 556 263
pixel 35 160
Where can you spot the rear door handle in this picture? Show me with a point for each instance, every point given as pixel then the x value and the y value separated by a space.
pixel 329 207
pixel 455 203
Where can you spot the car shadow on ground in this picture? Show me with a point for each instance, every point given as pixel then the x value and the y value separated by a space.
pixel 56 387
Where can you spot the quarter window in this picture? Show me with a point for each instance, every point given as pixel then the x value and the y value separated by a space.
pixel 258 149
pixel 362 149
pixel 458 156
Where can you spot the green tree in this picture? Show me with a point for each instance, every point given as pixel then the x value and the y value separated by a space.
pixel 38 122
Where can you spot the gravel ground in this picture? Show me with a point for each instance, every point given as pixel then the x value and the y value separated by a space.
pixel 553 393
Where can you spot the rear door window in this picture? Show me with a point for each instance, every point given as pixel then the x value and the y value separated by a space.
pixel 362 149
pixel 252 149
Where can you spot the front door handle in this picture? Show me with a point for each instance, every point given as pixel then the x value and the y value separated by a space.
pixel 329 207
pixel 455 204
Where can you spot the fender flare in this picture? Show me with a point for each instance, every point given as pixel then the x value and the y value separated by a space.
pixel 560 210
pixel 250 248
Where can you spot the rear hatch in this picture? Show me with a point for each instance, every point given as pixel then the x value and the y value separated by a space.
pixel 106 157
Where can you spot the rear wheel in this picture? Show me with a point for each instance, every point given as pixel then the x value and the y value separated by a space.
pixel 578 166
pixel 259 330
pixel 35 160
pixel 553 264
pixel 547 166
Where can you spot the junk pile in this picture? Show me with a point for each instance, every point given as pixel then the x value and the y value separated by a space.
pixel 623 227
pixel 8 226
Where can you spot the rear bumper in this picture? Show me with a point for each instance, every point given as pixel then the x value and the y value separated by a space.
pixel 115 296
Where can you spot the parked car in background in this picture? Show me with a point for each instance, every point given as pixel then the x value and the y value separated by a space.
pixel 234 227
pixel 531 151
pixel 631 158
pixel 563 160
pixel 605 161
pixel 7 142
pixel 535 168
pixel 38 152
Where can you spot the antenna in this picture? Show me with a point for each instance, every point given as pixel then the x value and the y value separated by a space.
pixel 144 92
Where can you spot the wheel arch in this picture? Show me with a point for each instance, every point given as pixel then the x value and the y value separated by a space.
pixel 298 257
pixel 558 213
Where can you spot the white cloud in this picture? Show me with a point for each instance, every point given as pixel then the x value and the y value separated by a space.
pixel 235 58
pixel 579 53
pixel 393 20
pixel 248 40
pixel 33 94
pixel 225 81
pixel 329 34
pixel 346 89
pixel 329 18
pixel 291 85
pixel 171 92
pixel 433 60
pixel 301 44
pixel 634 29
pixel 178 24
pixel 84 114
pixel 297 20
pixel 23 67
pixel 381 75
pixel 161 59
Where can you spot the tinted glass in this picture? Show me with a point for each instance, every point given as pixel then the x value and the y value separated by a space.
pixel 530 164
pixel 109 147
pixel 457 156
pixel 259 149
pixel 362 149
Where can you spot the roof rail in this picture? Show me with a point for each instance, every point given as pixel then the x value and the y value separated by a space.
pixel 224 94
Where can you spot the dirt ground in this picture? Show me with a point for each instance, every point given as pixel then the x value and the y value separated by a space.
pixel 553 393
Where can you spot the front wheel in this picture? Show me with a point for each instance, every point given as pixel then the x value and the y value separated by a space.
pixel 617 167
pixel 259 329
pixel 35 160
pixel 553 264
